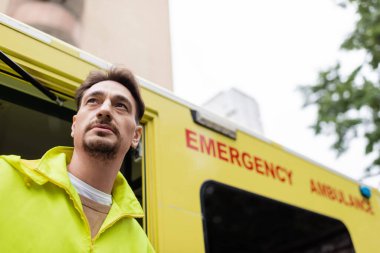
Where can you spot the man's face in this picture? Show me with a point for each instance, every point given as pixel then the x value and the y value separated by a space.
pixel 105 123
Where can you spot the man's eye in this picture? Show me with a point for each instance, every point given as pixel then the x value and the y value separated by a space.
pixel 92 101
pixel 121 105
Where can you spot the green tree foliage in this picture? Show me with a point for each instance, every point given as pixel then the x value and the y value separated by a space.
pixel 349 104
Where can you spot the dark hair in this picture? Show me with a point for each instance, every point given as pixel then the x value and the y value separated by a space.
pixel 117 74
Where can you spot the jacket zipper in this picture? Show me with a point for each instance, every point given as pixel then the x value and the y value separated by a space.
pixel 82 215
pixel 113 222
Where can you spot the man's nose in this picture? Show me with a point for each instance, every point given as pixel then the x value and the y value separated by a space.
pixel 105 109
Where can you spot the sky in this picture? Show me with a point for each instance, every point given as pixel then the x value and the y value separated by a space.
pixel 266 49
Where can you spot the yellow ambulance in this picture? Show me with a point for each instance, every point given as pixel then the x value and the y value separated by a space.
pixel 206 184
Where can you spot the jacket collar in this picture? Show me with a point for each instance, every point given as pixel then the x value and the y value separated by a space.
pixel 53 167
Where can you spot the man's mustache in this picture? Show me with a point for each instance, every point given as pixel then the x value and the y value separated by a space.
pixel 103 123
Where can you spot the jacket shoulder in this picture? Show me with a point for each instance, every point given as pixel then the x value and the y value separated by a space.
pixel 10 164
pixel 9 161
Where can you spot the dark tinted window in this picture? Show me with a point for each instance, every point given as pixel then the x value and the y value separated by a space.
pixel 29 126
pixel 239 221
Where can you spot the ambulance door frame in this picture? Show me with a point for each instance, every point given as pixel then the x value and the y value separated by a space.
pixel 149 176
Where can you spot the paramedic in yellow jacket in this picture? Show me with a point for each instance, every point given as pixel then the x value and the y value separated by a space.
pixel 76 200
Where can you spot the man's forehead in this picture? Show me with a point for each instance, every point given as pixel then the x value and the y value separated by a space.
pixel 112 89
pixel 108 86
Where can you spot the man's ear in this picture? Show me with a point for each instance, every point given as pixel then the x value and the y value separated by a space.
pixel 73 125
pixel 136 136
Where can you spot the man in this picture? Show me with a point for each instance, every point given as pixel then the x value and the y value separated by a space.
pixel 76 200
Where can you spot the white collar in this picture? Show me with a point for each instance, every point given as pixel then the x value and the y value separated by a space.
pixel 90 192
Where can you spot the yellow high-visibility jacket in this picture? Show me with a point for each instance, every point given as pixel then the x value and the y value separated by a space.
pixel 42 212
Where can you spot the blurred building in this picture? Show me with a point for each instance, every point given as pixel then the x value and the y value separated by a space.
pixel 133 33
pixel 238 107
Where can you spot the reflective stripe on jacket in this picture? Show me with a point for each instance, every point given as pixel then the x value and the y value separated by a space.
pixel 42 212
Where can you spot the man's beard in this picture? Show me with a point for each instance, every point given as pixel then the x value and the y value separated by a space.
pixel 101 149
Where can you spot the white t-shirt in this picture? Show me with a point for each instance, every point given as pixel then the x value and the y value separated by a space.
pixel 90 192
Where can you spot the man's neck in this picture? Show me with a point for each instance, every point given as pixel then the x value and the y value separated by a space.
pixel 98 173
